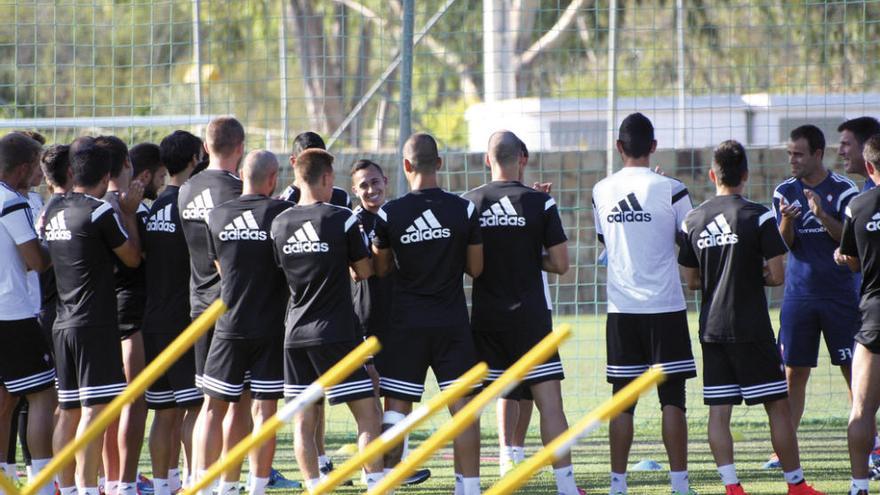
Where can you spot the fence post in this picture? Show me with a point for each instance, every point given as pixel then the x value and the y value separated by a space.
pixel 406 72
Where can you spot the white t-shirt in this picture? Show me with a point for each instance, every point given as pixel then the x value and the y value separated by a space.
pixel 16 228
pixel 33 278
pixel 638 213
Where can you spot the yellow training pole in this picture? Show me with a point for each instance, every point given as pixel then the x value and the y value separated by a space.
pixel 472 410
pixel 311 394
pixel 396 434
pixel 7 486
pixel 564 442
pixel 134 389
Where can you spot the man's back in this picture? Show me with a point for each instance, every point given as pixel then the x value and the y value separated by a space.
pixel 252 285
pixel 198 196
pixel 167 305
pixel 339 197
pixel 428 232
pixel 517 224
pixel 81 231
pixel 638 214
pixel 728 239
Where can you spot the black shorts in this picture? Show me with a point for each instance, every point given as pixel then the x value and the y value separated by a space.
pixel 89 365
pixel 407 354
pixel 303 365
pixel 26 363
pixel 750 371
pixel 636 342
pixel 201 349
pixel 500 350
pixel 235 365
pixel 177 387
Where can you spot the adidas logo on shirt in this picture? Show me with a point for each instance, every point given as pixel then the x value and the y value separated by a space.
pixel 305 240
pixel 502 214
pixel 425 228
pixel 717 233
pixel 874 224
pixel 160 222
pixel 56 229
pixel 243 228
pixel 199 207
pixel 628 210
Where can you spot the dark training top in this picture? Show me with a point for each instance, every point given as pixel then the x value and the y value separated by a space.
pixel 861 238
pixel 372 297
pixel 339 197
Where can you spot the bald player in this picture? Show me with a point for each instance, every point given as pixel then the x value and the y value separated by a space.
pixel 522 238
pixel 433 238
pixel 246 351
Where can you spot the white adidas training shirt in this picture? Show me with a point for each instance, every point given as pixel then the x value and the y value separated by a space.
pixel 637 214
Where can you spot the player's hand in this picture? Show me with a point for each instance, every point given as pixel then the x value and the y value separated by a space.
pixel 544 187
pixel 129 201
pixel 840 259
pixel 659 170
pixel 374 376
pixel 788 211
pixel 814 202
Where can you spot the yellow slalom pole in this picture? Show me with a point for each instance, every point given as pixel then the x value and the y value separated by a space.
pixel 7 486
pixel 472 410
pixel 310 395
pixel 564 442
pixel 134 389
pixel 396 434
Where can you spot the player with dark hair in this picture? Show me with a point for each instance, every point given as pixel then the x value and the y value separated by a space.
pixel 246 351
pixel 647 315
pixel 429 326
pixel 174 396
pixel 523 239
pixel 83 234
pixel 853 135
pixel 732 250
pixel 306 141
pixel 199 195
pixel 820 297
pixel 147 168
pixel 124 438
pixel 26 370
pixel 859 247
pixel 317 244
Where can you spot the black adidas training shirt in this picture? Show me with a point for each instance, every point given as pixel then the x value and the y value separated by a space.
pixel 428 232
pixel 861 238
pixel 81 232
pixel 339 197
pixel 517 223
pixel 372 297
pixel 728 239
pixel 314 245
pixel 167 306
pixel 198 196
pixel 130 282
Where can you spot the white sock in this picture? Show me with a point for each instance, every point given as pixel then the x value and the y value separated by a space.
pixel 405 447
pixel 618 483
pixel 373 479
pixel 30 471
pixel 679 482
pixel 794 477
pixel 67 490
pixel 876 442
pixel 506 455
pixel 858 485
pixel 459 484
pixel 471 485
pixel 34 469
pixel 110 487
pixel 228 488
pixel 728 474
pixel 89 490
pixel 519 453
pixel 565 484
pixel 126 488
pixel 174 483
pixel 11 471
pixel 161 486
pixel 211 486
pixel 259 486
pixel 312 483
pixel 102 483
pixel 323 460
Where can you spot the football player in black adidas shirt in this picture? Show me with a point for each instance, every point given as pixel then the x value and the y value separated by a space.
pixel 304 141
pixel 316 244
pixel 82 232
pixel 522 235
pixel 174 396
pixel 198 196
pixel 246 350
pixel 860 249
pixel 733 249
pixel 433 238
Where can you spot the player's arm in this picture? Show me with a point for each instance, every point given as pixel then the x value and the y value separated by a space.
pixel 474 264
pixel 848 252
pixel 358 251
pixel 381 261
pixel 130 252
pixel 774 271
pixel 555 259
pixel 687 259
pixel 361 269
pixel 786 217
pixel 773 249
pixel 691 277
pixel 35 256
pixel 833 226
pixel 17 223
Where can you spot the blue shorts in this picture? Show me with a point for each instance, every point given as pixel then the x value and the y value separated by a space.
pixel 801 322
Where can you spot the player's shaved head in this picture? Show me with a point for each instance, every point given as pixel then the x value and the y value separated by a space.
pixel 224 135
pixel 421 151
pixel 505 149
pixel 312 164
pixel 259 166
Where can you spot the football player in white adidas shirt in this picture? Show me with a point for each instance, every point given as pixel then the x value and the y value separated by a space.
pixel 433 238
pixel 637 216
